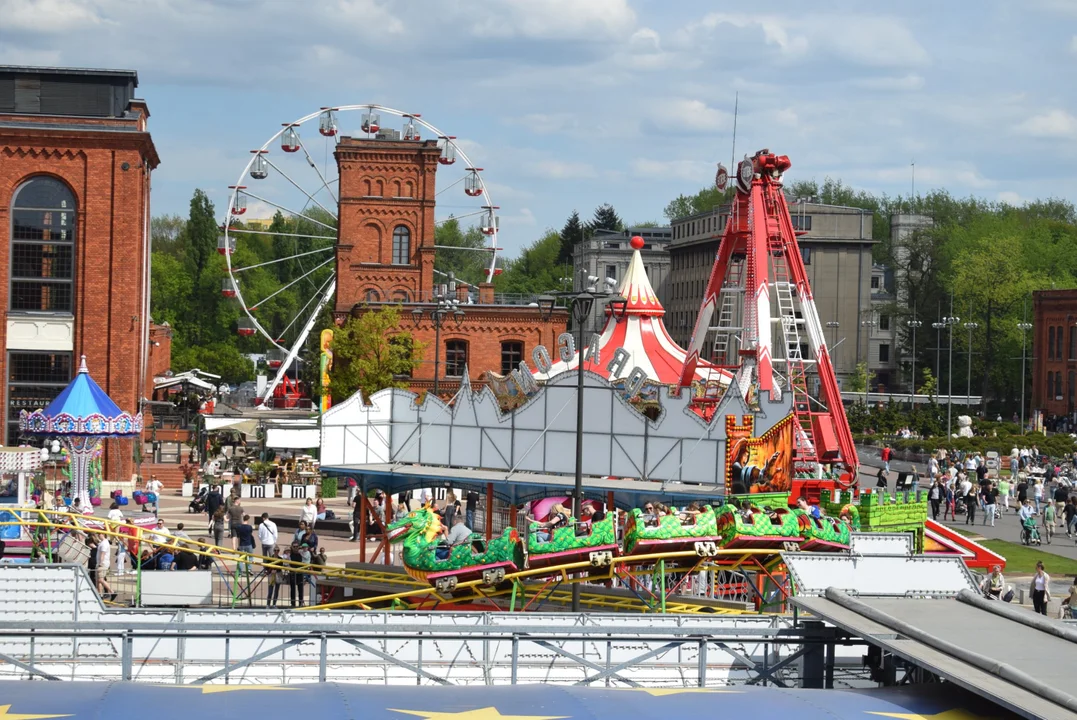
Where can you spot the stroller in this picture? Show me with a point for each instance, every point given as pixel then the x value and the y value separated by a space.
pixel 1030 534
pixel 198 502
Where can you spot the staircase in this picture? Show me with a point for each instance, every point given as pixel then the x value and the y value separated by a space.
pixel 170 474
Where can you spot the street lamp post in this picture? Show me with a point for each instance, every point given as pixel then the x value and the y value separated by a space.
pixel 938 354
pixel 581 304
pixel 444 307
pixel 950 321
pixel 914 323
pixel 1024 327
pixel 970 326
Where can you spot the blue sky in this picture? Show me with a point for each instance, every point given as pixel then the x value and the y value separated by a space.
pixel 572 103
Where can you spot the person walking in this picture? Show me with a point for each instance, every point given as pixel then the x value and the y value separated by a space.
pixel 1048 521
pixel 267 535
pixel 235 518
pixel 1069 515
pixel 245 539
pixel 935 496
pixel 970 506
pixel 1004 492
pixel 216 527
pixel 1037 494
pixel 886 454
pixel 357 518
pixel 273 579
pixel 1040 589
pixel 990 497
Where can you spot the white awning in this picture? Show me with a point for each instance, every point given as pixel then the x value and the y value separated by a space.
pixel 293 438
pixel 164 382
pixel 244 425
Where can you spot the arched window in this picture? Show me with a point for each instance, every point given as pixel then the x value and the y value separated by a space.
pixel 1058 348
pixel 372 296
pixel 401 245
pixel 43 247
pixel 1051 343
pixel 455 358
pixel 1058 386
pixel 401 296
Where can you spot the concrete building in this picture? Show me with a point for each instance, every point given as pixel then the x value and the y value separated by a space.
pixel 75 163
pixel 606 255
pixel 836 248
pixel 880 326
pixel 385 254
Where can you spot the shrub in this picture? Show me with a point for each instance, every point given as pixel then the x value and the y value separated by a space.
pixel 329 486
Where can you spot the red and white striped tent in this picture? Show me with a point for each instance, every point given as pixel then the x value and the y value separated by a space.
pixel 642 333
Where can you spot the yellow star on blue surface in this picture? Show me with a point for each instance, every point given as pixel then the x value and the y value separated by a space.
pixel 6 714
pixel 955 714
pixel 214 689
pixel 486 713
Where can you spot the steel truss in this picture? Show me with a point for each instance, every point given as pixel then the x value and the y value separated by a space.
pixel 405 648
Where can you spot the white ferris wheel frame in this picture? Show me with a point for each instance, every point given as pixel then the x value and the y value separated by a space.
pixel 329 288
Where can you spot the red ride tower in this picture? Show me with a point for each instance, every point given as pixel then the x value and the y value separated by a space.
pixel 758 282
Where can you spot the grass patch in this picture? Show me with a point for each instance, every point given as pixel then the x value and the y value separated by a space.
pixel 966 533
pixel 1022 559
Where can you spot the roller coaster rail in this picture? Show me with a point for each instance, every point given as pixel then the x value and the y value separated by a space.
pixel 652 579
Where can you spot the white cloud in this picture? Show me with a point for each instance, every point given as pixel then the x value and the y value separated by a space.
pixel 561 169
pixel 699 171
pixel 46 16
pixel 912 81
pixel 1011 198
pixel 786 116
pixel 691 114
pixel 1051 124
pixel 552 19
pixel 548 123
pixel 959 174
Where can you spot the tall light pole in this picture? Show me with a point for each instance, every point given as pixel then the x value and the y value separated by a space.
pixel 444 307
pixel 938 354
pixel 913 324
pixel 581 304
pixel 970 326
pixel 1024 327
pixel 950 320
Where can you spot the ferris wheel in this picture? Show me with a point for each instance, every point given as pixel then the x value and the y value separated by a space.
pixel 281 269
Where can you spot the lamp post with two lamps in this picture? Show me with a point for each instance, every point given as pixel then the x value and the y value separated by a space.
pixel 1024 327
pixel 913 324
pixel 970 326
pixel 949 322
pixel 581 304
pixel 445 306
pixel 938 354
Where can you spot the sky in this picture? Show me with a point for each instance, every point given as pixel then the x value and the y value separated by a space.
pixel 567 104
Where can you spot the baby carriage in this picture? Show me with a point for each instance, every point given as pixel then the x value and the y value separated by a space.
pixel 198 502
pixel 1030 534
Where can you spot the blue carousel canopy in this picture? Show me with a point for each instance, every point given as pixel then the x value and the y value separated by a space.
pixel 82 408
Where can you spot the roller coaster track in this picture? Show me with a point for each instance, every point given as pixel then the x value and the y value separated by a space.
pixel 524 588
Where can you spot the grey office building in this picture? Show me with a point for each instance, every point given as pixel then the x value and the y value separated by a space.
pixel 607 253
pixel 836 248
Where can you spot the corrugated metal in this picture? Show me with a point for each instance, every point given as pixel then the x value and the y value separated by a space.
pixel 59 97
pixel 28 94
pixel 7 94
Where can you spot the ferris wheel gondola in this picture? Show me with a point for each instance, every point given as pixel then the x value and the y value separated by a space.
pixel 282 272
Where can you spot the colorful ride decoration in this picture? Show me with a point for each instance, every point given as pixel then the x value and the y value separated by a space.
pixel 879 512
pixel 326 342
pixel 80 417
pixel 758 464
pixel 573 542
pixel 420 532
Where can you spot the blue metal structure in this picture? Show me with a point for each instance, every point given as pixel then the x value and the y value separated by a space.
pixel 79 700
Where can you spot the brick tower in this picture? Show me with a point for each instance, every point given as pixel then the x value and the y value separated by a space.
pixel 385 254
pixel 75 163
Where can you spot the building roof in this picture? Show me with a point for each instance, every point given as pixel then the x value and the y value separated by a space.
pixel 86 72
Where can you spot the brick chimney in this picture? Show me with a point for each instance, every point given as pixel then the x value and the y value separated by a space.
pixel 486 293
pixel 462 292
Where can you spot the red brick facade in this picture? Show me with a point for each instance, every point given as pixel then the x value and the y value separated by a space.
pixel 390 184
pixel 1054 351
pixel 108 171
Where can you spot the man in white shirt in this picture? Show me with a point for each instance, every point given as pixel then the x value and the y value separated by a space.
pixel 160 533
pixel 104 558
pixel 267 535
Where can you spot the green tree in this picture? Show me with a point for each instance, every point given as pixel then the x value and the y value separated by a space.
pixel 171 290
pixel 571 235
pixel 605 218
pixel 200 234
pixel 706 199
pixel 370 354
pixel 166 233
pixel 536 270
pixel 471 262
pixel 858 383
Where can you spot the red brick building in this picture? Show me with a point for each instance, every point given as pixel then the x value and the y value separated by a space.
pixel 1054 351
pixel 75 163
pixel 385 254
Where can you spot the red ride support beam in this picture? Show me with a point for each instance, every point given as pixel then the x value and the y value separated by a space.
pixel 489 512
pixel 362 523
pixel 512 515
